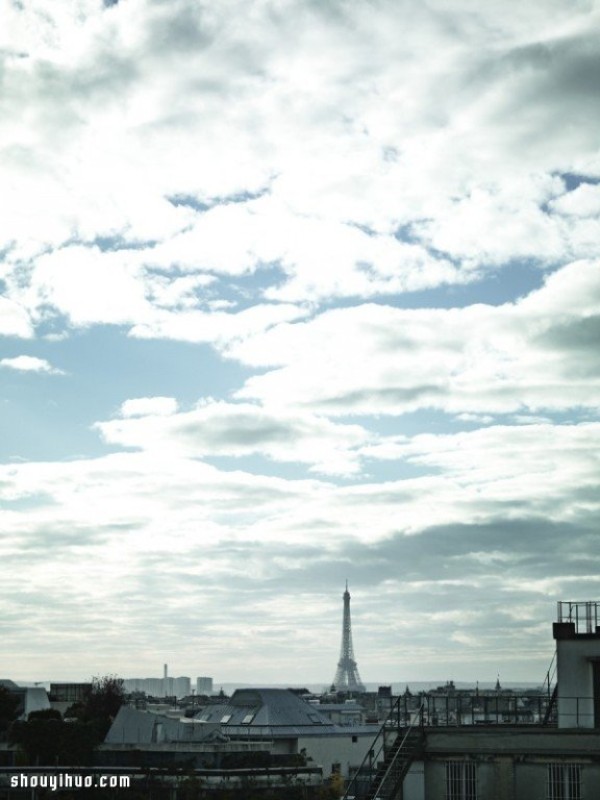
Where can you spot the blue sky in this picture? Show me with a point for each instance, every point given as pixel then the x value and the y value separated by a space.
pixel 295 293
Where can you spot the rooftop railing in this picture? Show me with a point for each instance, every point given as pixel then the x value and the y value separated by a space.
pixel 473 709
pixel 585 615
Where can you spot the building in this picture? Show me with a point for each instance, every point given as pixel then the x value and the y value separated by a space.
pixel 159 687
pixel 577 634
pixel 182 687
pixel 30 698
pixel 281 727
pixel 347 713
pixel 204 686
pixel 70 692
pixel 498 745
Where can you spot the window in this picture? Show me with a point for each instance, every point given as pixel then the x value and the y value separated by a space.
pixel 564 782
pixel 226 717
pixel 461 781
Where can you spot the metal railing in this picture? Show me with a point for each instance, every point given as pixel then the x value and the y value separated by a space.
pixel 585 614
pixel 501 708
pixel 460 708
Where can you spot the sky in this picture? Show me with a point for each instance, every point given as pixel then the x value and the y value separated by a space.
pixel 294 293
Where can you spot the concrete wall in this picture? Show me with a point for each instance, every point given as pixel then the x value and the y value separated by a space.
pixel 511 763
pixel 575 684
pixel 502 778
pixel 414 783
pixel 338 749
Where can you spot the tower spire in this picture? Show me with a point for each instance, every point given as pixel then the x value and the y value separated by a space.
pixel 346 676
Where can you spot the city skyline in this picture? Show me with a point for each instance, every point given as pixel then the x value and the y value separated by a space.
pixel 292 294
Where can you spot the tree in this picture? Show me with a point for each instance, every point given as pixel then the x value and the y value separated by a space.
pixel 39 737
pixel 9 702
pixel 101 705
pixel 105 698
pixel 46 739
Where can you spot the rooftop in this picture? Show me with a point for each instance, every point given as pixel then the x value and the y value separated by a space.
pixel 264 707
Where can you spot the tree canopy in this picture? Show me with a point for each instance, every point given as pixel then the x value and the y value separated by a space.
pixel 46 739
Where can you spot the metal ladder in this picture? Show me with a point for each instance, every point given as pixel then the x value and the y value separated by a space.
pixel 398 742
pixel 551 692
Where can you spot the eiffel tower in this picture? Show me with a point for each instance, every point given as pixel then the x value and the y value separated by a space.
pixel 347 678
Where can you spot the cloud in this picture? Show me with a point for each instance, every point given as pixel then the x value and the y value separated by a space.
pixel 88 286
pixel 316 258
pixel 550 457
pixel 154 406
pixel 216 429
pixel 503 516
pixel 14 320
pixel 584 201
pixel 343 153
pixel 535 472
pixel 537 353
pixel 218 327
pixel 30 364
pixel 322 193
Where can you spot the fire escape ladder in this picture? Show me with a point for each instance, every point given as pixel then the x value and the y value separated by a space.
pixel 551 687
pixel 397 744
pixel 551 706
pixel 387 782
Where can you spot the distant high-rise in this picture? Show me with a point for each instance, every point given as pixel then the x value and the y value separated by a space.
pixel 159 687
pixel 347 678
pixel 182 686
pixel 204 685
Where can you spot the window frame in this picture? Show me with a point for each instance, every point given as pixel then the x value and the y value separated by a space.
pixel 461 780
pixel 563 781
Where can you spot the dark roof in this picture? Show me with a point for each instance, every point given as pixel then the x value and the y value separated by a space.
pixel 10 685
pixel 257 713
pixel 260 707
pixel 134 726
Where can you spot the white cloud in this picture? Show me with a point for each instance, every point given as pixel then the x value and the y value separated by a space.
pixel 584 201
pixel 495 226
pixel 154 406
pixel 452 134
pixel 551 457
pixel 225 174
pixel 14 320
pixel 187 541
pixel 542 472
pixel 537 353
pixel 30 364
pixel 235 430
pixel 88 286
pixel 92 287
pixel 218 327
